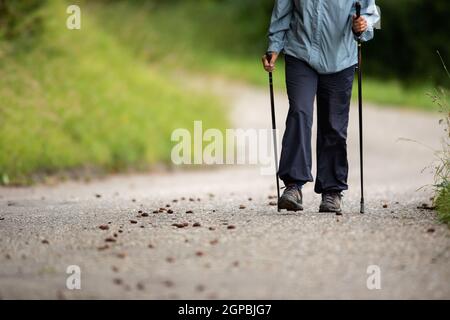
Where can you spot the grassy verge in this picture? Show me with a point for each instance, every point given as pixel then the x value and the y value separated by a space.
pixel 77 99
pixel 442 175
pixel 443 204
pixel 210 37
pixel 441 97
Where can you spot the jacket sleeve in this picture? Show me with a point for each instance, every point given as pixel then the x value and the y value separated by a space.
pixel 279 24
pixel 370 12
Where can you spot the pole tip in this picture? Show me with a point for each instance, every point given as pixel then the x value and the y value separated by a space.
pixel 361 210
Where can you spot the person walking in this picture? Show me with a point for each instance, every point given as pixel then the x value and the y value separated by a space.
pixel 318 39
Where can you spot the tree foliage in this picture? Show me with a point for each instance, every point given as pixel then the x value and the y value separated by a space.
pixel 20 18
pixel 412 32
pixel 405 48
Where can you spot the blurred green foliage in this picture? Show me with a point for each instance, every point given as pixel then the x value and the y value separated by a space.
pixel 125 54
pixel 405 48
pixel 81 100
pixel 210 37
pixel 412 32
pixel 20 18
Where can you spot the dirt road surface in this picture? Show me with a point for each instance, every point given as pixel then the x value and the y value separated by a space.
pixel 235 244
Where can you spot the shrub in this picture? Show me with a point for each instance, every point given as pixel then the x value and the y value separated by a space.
pixel 20 18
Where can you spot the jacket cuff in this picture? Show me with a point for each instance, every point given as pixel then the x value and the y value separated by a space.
pixel 365 36
pixel 275 47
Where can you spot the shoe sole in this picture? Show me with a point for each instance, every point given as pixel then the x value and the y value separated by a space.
pixel 289 205
pixel 327 210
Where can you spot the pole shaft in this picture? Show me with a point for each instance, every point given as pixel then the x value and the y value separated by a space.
pixel 360 109
pixel 361 136
pixel 274 133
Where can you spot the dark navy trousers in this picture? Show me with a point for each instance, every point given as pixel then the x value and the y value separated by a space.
pixel 333 93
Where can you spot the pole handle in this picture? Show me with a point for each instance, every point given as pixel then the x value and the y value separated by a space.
pixel 269 56
pixel 358 14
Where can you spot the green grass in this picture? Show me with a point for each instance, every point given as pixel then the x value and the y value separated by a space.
pixel 442 166
pixel 77 99
pixel 393 93
pixel 443 204
pixel 210 37
pixel 104 96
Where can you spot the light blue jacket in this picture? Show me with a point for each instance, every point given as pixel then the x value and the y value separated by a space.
pixel 319 32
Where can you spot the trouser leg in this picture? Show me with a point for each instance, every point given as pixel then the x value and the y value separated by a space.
pixel 333 106
pixel 301 83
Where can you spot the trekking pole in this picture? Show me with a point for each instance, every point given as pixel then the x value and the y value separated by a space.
pixel 360 105
pixel 274 130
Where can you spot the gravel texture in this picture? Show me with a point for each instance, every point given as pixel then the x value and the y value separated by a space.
pixel 228 241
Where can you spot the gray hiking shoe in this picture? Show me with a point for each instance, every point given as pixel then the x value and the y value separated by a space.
pixel 292 199
pixel 331 202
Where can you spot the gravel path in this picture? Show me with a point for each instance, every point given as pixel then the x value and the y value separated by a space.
pixel 250 252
